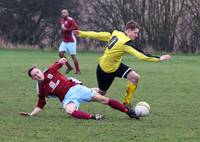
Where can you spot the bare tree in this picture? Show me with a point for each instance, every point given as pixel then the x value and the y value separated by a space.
pixel 163 21
pixel 30 21
pixel 159 19
pixel 168 25
pixel 188 39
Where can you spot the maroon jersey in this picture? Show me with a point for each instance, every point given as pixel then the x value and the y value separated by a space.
pixel 55 84
pixel 70 25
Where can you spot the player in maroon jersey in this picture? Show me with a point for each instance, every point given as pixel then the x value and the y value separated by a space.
pixel 71 93
pixel 68 44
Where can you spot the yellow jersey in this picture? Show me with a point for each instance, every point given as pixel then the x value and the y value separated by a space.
pixel 118 44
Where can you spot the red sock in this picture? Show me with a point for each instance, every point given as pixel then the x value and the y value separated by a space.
pixel 81 115
pixel 117 105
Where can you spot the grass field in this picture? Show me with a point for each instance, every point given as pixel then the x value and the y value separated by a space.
pixel 171 88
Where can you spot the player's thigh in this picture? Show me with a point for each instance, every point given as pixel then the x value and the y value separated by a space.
pixel 63 47
pixel 104 79
pixel 78 94
pixel 126 72
pixel 71 48
pixel 99 98
pixel 70 107
pixel 122 71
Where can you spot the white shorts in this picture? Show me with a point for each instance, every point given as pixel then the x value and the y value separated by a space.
pixel 78 94
pixel 68 47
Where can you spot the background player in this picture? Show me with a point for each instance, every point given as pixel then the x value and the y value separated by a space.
pixel 68 45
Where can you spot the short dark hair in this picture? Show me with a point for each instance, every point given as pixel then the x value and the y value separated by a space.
pixel 29 71
pixel 132 25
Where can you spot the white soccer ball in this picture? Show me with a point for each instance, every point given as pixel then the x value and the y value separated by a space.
pixel 142 109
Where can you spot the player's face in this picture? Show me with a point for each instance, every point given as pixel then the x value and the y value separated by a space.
pixel 64 13
pixel 133 34
pixel 37 74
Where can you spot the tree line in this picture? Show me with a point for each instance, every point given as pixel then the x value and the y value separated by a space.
pixel 167 25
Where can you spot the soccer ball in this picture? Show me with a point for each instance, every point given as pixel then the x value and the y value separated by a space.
pixel 142 109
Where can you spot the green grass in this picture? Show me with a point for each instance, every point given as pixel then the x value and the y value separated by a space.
pixel 171 88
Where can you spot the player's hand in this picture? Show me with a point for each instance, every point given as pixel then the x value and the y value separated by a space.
pixel 76 32
pixel 24 114
pixel 63 27
pixel 62 60
pixel 165 57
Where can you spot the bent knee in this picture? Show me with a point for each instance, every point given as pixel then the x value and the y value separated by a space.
pixel 103 93
pixel 70 108
pixel 61 54
pixel 137 77
pixel 68 111
pixel 134 77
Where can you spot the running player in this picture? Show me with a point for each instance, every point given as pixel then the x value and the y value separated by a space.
pixel 110 65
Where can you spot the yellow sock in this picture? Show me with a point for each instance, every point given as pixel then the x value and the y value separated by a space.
pixel 130 91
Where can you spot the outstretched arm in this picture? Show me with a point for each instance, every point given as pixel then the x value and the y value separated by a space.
pixel 103 36
pixel 39 106
pixel 134 50
pixel 58 64
pixel 141 55
pixel 62 61
pixel 148 57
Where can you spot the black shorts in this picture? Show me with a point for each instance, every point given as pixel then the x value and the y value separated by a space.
pixel 105 79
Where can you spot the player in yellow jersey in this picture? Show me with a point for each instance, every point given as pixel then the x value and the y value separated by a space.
pixel 110 65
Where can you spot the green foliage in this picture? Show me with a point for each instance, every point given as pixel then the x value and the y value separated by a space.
pixel 171 88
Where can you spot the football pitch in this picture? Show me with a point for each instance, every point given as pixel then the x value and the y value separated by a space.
pixel 172 89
